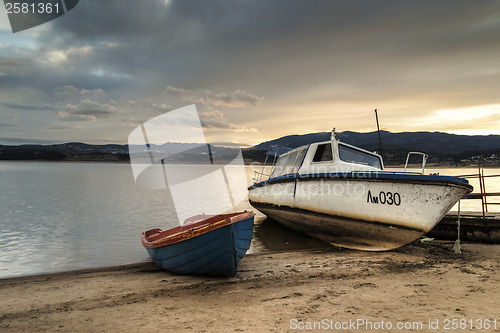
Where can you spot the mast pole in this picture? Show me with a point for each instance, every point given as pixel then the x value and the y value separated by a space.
pixel 379 139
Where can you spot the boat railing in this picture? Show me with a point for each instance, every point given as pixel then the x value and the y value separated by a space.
pixel 259 176
pixel 482 187
pixel 424 159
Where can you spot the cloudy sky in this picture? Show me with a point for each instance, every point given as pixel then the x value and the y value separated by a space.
pixel 256 70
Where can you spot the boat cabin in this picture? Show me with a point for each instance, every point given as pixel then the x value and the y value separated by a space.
pixel 326 157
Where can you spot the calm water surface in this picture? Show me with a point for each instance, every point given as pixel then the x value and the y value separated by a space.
pixel 62 216
pixel 65 216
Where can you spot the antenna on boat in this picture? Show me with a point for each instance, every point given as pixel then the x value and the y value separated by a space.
pixel 379 139
pixel 333 137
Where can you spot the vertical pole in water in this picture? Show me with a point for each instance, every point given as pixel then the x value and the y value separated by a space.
pixel 484 191
pixel 379 139
pixel 456 247
pixel 226 180
pixel 481 188
pixel 210 154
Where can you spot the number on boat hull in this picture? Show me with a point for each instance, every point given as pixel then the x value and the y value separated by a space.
pixel 384 198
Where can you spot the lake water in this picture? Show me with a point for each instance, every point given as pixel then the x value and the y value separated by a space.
pixel 66 216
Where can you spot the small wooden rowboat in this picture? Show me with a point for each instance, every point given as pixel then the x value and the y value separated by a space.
pixel 202 245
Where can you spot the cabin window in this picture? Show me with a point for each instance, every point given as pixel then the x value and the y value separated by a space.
pixel 352 155
pixel 323 153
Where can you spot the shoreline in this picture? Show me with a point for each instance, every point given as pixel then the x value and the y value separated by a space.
pixel 272 291
pixel 250 163
pixel 72 272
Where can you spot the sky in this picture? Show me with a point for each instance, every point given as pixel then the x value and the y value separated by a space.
pixel 256 70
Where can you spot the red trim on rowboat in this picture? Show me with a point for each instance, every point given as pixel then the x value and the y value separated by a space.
pixel 156 237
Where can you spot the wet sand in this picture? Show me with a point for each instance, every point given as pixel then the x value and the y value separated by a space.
pixel 272 292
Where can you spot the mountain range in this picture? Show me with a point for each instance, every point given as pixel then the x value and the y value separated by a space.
pixel 429 142
pixel 442 148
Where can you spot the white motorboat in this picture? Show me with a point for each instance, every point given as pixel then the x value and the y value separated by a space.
pixel 341 194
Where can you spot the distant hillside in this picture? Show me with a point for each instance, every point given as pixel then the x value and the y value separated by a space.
pixel 77 151
pixel 429 142
pixel 72 151
pixel 442 147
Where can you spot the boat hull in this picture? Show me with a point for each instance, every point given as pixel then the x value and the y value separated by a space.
pixel 374 212
pixel 217 251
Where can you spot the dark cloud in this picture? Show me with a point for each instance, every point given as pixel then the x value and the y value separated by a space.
pixel 153 42
pixel 16 106
pixel 272 46
pixel 15 66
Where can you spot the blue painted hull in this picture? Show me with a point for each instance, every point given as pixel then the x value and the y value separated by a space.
pixel 217 252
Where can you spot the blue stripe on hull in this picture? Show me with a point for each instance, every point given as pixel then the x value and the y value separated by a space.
pixel 217 252
pixel 369 175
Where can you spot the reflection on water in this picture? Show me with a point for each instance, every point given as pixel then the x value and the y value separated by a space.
pixel 62 216
pixel 65 216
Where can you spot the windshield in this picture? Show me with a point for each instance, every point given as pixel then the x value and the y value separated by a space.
pixel 289 163
pixel 352 155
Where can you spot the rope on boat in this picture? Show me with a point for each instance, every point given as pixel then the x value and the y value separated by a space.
pixel 456 247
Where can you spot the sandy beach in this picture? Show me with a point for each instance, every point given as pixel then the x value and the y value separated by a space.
pixel 421 287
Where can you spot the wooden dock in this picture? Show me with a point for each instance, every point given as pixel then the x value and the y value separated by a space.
pixel 481 226
pixel 473 227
